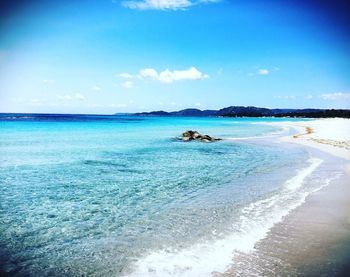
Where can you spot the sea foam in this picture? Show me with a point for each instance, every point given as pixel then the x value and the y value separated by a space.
pixel 256 220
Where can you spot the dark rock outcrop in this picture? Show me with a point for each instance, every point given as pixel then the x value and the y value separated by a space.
pixel 194 135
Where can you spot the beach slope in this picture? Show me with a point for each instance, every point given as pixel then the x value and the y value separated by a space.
pixel 314 239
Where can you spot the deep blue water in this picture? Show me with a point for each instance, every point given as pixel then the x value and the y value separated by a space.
pixel 119 195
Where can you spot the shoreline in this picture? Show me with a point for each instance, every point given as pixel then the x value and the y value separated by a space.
pixel 314 238
pixel 310 134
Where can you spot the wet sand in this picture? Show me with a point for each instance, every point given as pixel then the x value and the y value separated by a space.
pixel 314 239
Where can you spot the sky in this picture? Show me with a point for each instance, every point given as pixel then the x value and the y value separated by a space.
pixel 116 56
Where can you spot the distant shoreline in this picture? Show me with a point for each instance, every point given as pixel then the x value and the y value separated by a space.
pixel 250 111
pixel 233 111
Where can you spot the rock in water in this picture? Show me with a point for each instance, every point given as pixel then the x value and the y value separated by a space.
pixel 194 135
pixel 188 134
pixel 186 138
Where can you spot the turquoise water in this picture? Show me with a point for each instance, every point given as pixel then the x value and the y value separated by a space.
pixel 120 196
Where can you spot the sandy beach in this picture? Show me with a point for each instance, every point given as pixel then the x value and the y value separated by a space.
pixel 328 135
pixel 314 239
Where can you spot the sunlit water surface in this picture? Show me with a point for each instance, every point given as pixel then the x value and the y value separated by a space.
pixel 120 196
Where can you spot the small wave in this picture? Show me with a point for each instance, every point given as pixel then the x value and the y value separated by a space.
pixel 117 166
pixel 297 180
pixel 281 131
pixel 270 135
pixel 16 117
pixel 106 163
pixel 255 221
pixel 248 138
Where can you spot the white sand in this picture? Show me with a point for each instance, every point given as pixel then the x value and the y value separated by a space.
pixel 313 240
pixel 331 135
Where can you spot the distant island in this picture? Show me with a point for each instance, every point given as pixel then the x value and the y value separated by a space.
pixel 250 111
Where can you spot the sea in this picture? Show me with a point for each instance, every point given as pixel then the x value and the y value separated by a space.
pixel 95 195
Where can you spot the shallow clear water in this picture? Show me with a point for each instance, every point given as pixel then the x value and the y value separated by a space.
pixel 120 196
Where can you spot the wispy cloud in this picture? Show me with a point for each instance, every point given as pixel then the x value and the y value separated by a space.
pixel 46 81
pixel 168 76
pixel 335 96
pixel 68 97
pixel 96 88
pixel 284 97
pixel 117 105
pixel 263 72
pixel 308 97
pixel 65 97
pixel 18 99
pixel 127 84
pixel 125 75
pixel 35 102
pixel 164 4
pixel 79 96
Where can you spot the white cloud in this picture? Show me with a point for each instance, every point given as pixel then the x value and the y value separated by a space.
pixel 149 72
pixel 18 99
pixel 127 84
pixel 335 96
pixel 96 88
pixel 307 97
pixel 94 105
pixel 157 4
pixel 125 75
pixel 190 74
pixel 164 4
pixel 34 102
pixel 168 76
pixel 67 97
pixel 285 97
pixel 79 96
pixel 263 71
pixel 46 81
pixel 165 76
pixel 117 105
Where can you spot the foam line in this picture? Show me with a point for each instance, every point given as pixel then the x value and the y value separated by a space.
pixel 256 219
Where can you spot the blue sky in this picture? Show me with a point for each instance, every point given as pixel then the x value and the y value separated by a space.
pixel 109 56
